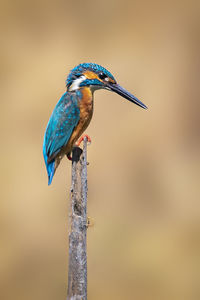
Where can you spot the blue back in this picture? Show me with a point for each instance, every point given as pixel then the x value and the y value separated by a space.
pixel 59 129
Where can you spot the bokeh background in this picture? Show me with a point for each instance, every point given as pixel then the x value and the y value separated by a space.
pixel 144 190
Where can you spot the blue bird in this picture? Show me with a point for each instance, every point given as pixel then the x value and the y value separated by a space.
pixel 74 110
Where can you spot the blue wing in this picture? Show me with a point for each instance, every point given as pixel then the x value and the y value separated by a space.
pixel 59 129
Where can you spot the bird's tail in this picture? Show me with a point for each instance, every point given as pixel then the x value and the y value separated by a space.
pixel 49 166
pixel 50 170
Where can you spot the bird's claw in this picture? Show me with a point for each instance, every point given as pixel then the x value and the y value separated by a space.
pixel 82 139
pixel 69 156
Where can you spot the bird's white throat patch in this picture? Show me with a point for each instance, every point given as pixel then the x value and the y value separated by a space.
pixel 76 83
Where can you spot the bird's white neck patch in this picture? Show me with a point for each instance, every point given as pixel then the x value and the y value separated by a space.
pixel 76 83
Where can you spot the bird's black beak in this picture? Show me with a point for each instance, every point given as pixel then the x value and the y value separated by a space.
pixel 122 92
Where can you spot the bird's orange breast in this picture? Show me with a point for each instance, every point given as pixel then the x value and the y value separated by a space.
pixel 86 111
pixel 86 103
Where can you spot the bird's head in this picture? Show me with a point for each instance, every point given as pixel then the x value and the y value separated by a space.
pixel 96 77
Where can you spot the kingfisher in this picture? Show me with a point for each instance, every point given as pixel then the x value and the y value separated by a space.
pixel 73 112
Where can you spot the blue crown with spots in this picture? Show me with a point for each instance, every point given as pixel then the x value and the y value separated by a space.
pixel 78 71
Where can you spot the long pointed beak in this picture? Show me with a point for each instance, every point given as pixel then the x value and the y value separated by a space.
pixel 122 92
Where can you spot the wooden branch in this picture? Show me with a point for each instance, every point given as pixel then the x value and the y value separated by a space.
pixel 77 269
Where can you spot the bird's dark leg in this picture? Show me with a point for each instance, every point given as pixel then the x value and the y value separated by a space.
pixel 77 144
pixel 82 138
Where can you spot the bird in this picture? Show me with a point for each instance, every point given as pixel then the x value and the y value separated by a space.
pixel 73 112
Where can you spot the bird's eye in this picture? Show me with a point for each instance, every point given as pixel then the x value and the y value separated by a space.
pixel 102 75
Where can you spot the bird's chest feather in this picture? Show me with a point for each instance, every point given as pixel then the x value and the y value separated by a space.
pixel 85 104
pixel 86 107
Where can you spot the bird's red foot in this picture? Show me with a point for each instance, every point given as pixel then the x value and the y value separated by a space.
pixel 82 138
pixel 69 156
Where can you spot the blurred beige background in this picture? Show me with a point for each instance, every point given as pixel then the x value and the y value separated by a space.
pixel 144 190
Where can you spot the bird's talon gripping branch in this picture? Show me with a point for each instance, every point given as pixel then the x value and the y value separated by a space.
pixel 82 139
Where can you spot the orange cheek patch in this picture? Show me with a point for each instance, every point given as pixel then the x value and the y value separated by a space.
pixel 90 75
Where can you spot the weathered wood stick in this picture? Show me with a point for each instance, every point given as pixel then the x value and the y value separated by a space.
pixel 77 266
